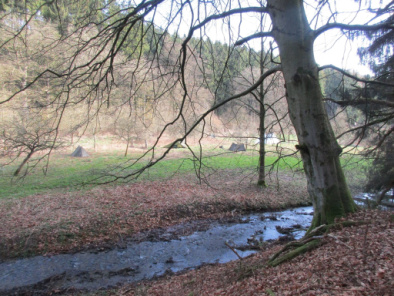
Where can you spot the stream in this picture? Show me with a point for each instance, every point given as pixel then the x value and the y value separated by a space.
pixel 367 200
pixel 149 258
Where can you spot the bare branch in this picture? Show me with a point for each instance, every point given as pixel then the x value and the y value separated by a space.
pixel 346 27
pixel 371 123
pixel 152 162
pixel 355 77
pixel 228 13
pixel 254 36
pixel 362 102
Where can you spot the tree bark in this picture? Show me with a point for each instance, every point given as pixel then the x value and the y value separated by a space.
pixel 261 179
pixel 25 160
pixel 127 149
pixel 319 149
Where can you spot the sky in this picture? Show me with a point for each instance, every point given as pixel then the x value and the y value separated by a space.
pixel 331 47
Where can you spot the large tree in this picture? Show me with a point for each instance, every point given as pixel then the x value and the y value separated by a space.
pixel 101 41
pixel 317 144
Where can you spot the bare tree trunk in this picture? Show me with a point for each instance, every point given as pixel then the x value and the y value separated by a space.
pixel 127 149
pixel 261 180
pixel 18 170
pixel 319 149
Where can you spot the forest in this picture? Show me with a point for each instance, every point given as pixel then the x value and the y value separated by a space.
pixel 131 81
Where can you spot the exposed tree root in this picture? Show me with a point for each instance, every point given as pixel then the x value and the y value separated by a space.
pixel 310 241
pixel 312 244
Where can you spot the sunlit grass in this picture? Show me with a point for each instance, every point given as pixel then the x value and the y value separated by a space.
pixel 67 173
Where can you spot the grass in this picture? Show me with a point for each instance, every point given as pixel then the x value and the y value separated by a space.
pixel 64 172
pixel 68 174
pixel 58 222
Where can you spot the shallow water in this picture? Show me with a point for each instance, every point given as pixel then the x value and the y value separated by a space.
pixel 147 259
pixel 367 200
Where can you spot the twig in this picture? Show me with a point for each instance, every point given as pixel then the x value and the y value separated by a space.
pixel 365 244
pixel 232 249
pixel 295 244
pixel 339 241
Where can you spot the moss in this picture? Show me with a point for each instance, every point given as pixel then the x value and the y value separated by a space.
pixel 343 224
pixel 292 254
pixel 333 206
pixel 308 242
pixel 339 201
pixel 347 201
pixel 269 292
pixel 316 221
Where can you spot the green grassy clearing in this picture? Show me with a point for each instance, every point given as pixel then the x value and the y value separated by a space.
pixel 67 173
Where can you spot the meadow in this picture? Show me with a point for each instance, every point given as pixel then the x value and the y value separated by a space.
pixel 65 173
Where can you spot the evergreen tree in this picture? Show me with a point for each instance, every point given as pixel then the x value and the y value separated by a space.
pixel 380 57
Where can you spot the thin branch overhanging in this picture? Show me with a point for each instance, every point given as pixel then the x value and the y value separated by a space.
pixel 197 122
pixel 381 120
pixel 355 77
pixel 316 33
pixel 346 27
pixel 366 81
pixel 145 7
pixel 361 102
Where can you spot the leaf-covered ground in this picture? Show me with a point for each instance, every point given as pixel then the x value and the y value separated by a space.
pixel 354 261
pixel 104 217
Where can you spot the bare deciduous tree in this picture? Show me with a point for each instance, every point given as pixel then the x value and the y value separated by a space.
pixel 98 47
pixel 25 136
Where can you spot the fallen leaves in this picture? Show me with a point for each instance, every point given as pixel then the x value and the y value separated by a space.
pixel 332 269
pixel 56 223
pixel 356 260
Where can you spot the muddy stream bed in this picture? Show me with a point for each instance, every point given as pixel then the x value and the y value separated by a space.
pixel 152 254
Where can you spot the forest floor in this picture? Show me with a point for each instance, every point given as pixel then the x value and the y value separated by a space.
pixel 355 260
pixel 352 261
pixel 103 217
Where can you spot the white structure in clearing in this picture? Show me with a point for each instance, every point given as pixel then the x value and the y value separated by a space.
pixel 269 139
